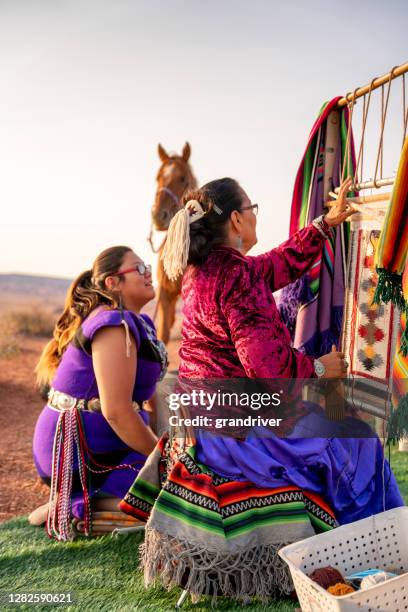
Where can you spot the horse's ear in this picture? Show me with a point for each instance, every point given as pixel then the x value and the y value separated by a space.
pixel 186 152
pixel 162 153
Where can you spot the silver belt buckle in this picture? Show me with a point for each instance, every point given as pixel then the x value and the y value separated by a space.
pixel 65 402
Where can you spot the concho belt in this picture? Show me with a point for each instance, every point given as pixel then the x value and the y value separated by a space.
pixel 62 401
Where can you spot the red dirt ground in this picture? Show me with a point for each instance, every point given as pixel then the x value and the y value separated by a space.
pixel 20 403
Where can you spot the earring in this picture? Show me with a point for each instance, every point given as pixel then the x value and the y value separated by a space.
pixel 239 242
pixel 120 304
pixel 125 325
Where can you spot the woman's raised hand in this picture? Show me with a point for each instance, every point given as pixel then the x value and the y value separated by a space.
pixel 335 364
pixel 341 209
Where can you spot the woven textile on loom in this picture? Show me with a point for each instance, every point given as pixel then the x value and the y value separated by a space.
pixel 391 259
pixel 370 329
pixel 312 307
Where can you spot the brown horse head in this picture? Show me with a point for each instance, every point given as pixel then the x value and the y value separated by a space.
pixel 173 179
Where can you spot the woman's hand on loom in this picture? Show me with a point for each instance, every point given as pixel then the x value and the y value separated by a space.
pixel 335 364
pixel 341 209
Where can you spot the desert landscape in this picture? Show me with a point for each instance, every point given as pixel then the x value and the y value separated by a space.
pixel 29 306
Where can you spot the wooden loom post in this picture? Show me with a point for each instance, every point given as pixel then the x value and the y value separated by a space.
pixel 375 84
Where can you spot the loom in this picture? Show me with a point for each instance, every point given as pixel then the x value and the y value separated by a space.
pixel 370 332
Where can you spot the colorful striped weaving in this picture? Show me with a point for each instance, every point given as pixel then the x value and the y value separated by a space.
pixel 404 334
pixel 211 534
pixel 391 255
pixel 303 181
pixel 312 307
pixel 398 423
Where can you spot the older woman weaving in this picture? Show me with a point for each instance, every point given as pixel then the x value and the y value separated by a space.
pixel 225 506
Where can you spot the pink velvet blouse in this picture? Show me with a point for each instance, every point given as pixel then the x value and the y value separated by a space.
pixel 232 327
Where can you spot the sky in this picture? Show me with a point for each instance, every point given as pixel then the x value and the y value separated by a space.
pixel 88 88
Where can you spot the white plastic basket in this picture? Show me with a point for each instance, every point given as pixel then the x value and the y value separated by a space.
pixel 380 541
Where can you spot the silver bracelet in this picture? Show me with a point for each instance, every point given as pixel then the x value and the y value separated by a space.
pixel 320 224
pixel 319 368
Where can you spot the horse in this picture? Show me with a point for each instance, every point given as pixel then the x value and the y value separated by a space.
pixel 174 178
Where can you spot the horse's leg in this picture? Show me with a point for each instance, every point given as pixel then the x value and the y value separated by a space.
pixel 173 311
pixel 177 293
pixel 163 315
pixel 164 302
pixel 173 303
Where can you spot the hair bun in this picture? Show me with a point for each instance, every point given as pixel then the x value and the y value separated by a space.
pixel 218 199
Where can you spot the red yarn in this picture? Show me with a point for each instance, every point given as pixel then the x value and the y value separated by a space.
pixel 326 576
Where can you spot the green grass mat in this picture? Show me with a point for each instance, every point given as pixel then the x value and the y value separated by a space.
pixel 102 573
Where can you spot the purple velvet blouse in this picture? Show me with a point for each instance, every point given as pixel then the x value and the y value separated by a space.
pixel 232 327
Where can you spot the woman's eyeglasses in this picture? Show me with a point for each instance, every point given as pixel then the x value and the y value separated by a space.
pixel 254 207
pixel 143 269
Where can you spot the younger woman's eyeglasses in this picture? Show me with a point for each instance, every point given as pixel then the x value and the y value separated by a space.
pixel 254 207
pixel 143 269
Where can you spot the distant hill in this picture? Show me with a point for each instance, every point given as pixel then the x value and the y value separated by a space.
pixel 22 290
pixel 33 285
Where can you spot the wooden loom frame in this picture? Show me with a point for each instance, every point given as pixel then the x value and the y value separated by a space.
pixel 374 398
pixel 350 100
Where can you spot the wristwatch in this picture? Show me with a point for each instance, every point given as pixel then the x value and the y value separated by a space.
pixel 319 368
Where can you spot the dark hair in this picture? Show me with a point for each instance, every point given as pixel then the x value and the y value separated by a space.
pixel 218 199
pixel 86 292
